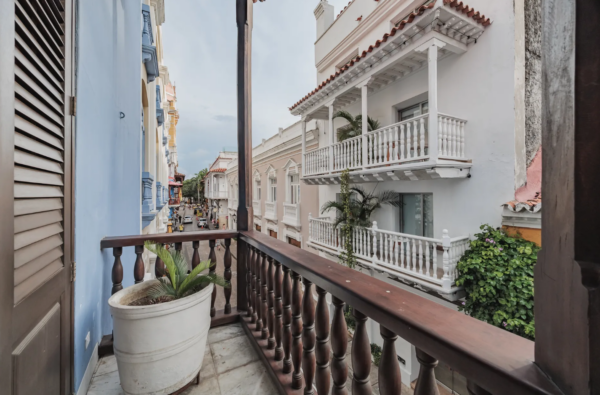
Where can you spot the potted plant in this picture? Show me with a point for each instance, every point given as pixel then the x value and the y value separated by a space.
pixel 161 326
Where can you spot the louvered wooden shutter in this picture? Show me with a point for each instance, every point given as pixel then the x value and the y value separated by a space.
pixel 39 143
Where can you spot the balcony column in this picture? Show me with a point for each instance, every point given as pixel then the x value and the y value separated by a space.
pixel 331 136
pixel 364 89
pixel 303 143
pixel 432 46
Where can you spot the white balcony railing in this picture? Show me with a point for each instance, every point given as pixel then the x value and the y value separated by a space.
pixel 256 207
pixel 291 214
pixel 217 195
pixel 397 144
pixel 421 260
pixel 271 210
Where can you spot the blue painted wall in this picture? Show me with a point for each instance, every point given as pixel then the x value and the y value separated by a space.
pixel 107 159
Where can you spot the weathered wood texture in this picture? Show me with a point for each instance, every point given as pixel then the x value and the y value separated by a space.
pixel 567 276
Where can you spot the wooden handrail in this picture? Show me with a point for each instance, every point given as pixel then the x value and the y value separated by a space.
pixel 494 359
pixel 128 241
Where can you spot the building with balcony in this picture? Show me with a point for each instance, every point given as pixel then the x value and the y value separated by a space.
pixel 216 188
pixel 281 203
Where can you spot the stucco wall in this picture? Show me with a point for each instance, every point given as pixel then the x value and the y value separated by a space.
pixel 107 159
pixel 533 78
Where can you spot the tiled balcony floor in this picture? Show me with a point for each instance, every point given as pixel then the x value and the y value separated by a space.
pixel 230 367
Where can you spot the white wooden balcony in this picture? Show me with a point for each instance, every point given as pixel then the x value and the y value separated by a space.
pixel 427 262
pixel 256 208
pixel 291 215
pixel 271 211
pixel 396 152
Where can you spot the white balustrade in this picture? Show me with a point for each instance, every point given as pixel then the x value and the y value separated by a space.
pixel 291 214
pixel 451 137
pixel 256 207
pixel 271 210
pixel 347 154
pixel 316 162
pixel 426 261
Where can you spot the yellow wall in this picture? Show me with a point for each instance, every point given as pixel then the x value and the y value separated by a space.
pixel 529 234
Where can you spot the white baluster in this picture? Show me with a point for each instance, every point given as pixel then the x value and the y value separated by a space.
pixel 453 139
pixel 374 240
pixel 402 140
pixel 435 261
pixel 396 145
pixel 462 139
pixel 427 259
pixel 446 279
pixel 440 131
pixel 414 256
pixel 420 256
pixel 386 145
pixel 401 246
pixel 422 135
pixel 444 136
pixel 396 247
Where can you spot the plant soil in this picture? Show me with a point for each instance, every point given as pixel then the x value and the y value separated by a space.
pixel 147 301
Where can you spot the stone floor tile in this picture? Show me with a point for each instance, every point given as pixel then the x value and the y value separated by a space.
pixel 107 384
pixel 232 353
pixel 208 366
pixel 250 379
pixel 207 386
pixel 106 365
pixel 225 332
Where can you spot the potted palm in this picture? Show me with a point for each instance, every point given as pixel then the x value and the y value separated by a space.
pixel 161 326
pixel 354 126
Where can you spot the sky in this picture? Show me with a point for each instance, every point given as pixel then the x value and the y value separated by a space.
pixel 199 48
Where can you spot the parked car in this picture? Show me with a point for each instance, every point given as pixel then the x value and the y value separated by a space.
pixel 202 223
pixel 188 220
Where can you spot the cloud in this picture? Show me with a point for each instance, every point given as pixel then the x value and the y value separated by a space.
pixel 225 118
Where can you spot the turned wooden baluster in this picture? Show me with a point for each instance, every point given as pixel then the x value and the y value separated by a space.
pixel 258 301
pixel 159 267
pixel 339 344
pixel 287 321
pixel 249 281
pixel 117 271
pixel 253 286
pixel 178 247
pixel 212 270
pixel 322 348
pixel 227 275
pixel 474 389
pixel 278 312
pixel 264 291
pixel 361 356
pixel 138 267
pixel 195 255
pixel 271 305
pixel 389 370
pixel 308 337
pixel 296 331
pixel 426 383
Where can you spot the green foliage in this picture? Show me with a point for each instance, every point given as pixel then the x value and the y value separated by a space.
pixel 350 321
pixel 497 275
pixel 376 353
pixel 354 126
pixel 177 283
pixel 347 256
pixel 194 186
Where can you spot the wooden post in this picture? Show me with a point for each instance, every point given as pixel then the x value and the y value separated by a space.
pixel 567 275
pixel 244 99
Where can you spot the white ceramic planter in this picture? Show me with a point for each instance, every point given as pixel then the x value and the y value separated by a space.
pixel 159 348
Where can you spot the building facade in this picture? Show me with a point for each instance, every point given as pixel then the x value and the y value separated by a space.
pixel 453 101
pixel 216 189
pixel 282 203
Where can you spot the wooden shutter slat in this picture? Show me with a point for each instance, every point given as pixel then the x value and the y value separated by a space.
pixel 29 144
pixel 30 206
pixel 32 221
pixel 38 91
pixel 28 113
pixel 31 252
pixel 24 174
pixel 34 266
pixel 58 4
pixel 36 191
pixel 49 20
pixel 37 105
pixel 24 126
pixel 31 236
pixel 48 60
pixel 41 29
pixel 27 159
pixel 32 283
pixel 31 63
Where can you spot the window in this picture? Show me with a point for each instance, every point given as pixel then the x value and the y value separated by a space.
pixel 257 191
pixel 413 111
pixel 257 227
pixel 272 233
pixel 272 189
pixel 294 242
pixel 294 181
pixel 416 214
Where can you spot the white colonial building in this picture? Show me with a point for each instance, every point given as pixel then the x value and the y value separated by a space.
pixel 455 91
pixel 216 188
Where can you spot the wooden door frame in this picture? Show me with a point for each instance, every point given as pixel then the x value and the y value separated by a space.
pixel 7 115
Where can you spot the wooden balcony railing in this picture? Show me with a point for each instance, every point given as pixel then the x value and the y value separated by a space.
pixel 305 350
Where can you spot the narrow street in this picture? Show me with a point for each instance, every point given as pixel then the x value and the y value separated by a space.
pixel 204 251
